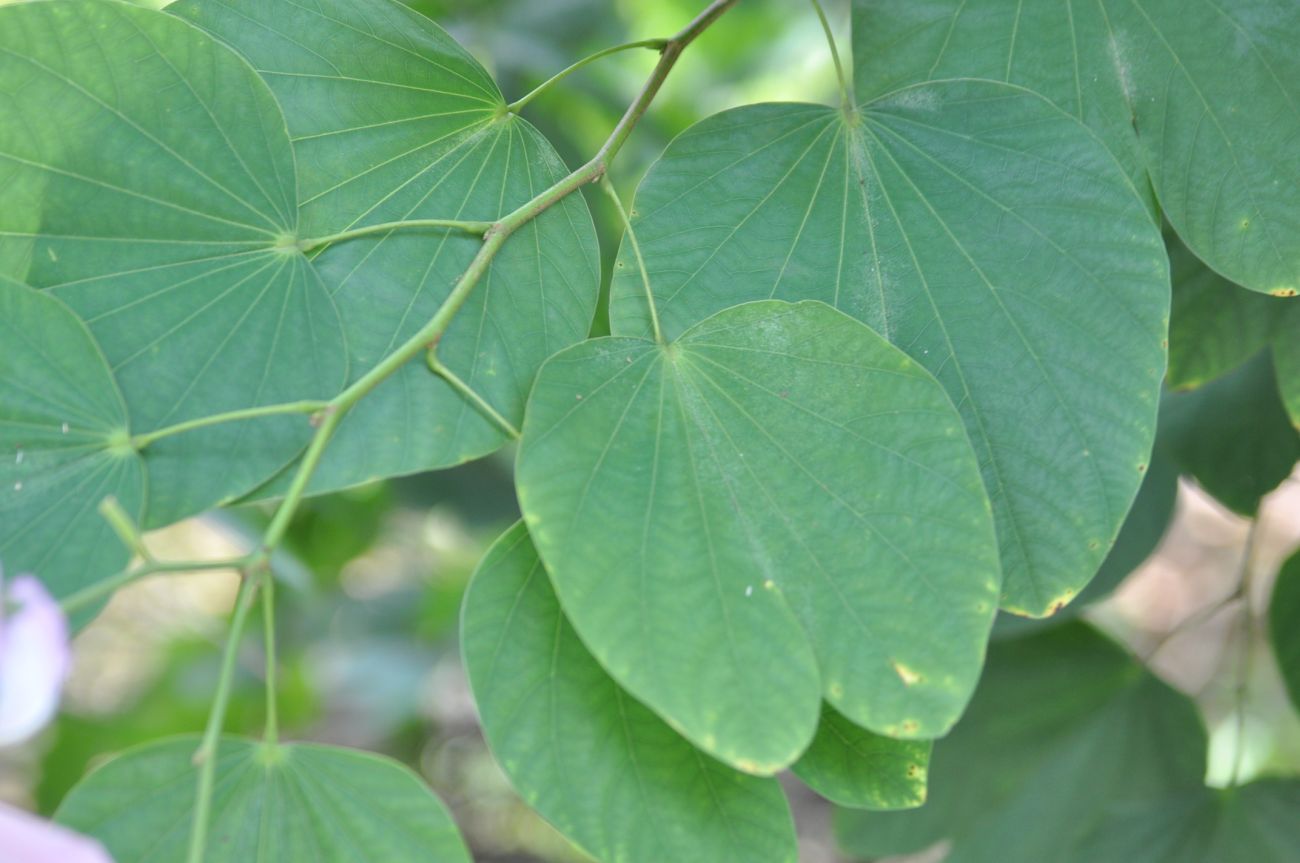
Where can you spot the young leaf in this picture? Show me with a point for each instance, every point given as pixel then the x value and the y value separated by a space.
pixel 392 120
pixel 1198 93
pixel 167 199
pixel 980 229
pixel 593 761
pixel 776 506
pixel 296 803
pixel 1233 435
pixel 850 766
pixel 1064 725
pixel 1284 625
pixel 1255 823
pixel 63 446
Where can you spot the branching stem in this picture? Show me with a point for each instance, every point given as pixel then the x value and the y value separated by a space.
pixel 89 595
pixel 470 394
pixel 516 106
pixel 609 190
pixel 846 86
pixel 140 441
pixel 476 228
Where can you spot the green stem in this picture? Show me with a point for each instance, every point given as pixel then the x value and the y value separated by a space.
pixel 140 441
pixel 846 86
pixel 476 228
pixel 271 735
pixel 516 106
pixel 1247 658
pixel 124 526
pixel 206 756
pixel 93 593
pixel 469 394
pixel 608 188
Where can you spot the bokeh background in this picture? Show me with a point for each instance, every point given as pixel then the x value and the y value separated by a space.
pixel 371 579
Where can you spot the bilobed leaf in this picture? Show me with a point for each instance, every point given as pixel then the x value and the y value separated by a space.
pixel 980 229
pixel 850 766
pixel 63 446
pixel 392 120
pixel 776 506
pixel 1065 50
pixel 166 197
pixel 1064 725
pixel 296 803
pixel 1215 326
pixel 610 774
pixel 1284 625
pixel 1198 94
pixel 1233 434
pixel 1254 823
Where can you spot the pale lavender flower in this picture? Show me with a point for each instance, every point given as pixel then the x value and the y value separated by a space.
pixel 34 658
pixel 24 838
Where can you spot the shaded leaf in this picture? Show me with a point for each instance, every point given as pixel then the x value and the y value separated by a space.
pixel 594 762
pixel 392 120
pixel 851 766
pixel 166 198
pixel 272 804
pixel 980 229
pixel 725 561
pixel 1254 823
pixel 1064 724
pixel 1284 625
pixel 63 446
pixel 1233 435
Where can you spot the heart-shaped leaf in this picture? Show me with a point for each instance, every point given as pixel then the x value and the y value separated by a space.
pixel 64 445
pixel 775 506
pixel 850 766
pixel 167 211
pixel 392 120
pixel 1064 725
pixel 598 765
pixel 981 230
pixel 296 803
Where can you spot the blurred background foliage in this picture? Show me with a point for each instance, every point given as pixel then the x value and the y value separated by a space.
pixel 371 579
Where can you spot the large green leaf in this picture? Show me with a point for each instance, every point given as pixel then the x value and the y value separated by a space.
pixel 1064 725
pixel 63 445
pixel 980 229
pixel 598 765
pixel 1200 93
pixel 166 197
pixel 1284 625
pixel 775 506
pixel 1254 823
pixel 392 120
pixel 1233 434
pixel 296 803
pixel 1061 49
pixel 850 766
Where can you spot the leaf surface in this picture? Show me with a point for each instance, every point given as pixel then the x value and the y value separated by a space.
pixel 392 120
pixel 981 230
pixel 63 432
pixel 296 803
pixel 850 766
pixel 722 557
pixel 606 771
pixel 1284 625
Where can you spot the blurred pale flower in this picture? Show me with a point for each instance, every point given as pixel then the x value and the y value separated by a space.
pixel 24 838
pixel 34 658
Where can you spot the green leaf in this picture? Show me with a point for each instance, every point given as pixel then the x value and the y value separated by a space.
pixel 1254 823
pixel 272 804
pixel 1286 361
pixel 981 230
pixel 723 559
pixel 1064 725
pixel 63 446
pixel 594 762
pixel 1284 625
pixel 166 197
pixel 1145 526
pixel 1061 49
pixel 1215 325
pixel 1233 435
pixel 392 120
pixel 851 766
pixel 1199 93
